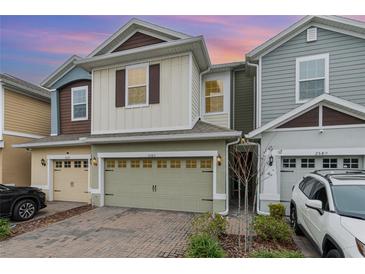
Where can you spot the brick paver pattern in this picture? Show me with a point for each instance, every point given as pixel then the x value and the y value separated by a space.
pixel 107 232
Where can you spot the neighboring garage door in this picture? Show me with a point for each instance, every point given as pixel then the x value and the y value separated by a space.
pixel 181 184
pixel 294 168
pixel 70 180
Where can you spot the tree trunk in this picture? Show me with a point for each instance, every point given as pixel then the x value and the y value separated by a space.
pixel 239 213
pixel 246 216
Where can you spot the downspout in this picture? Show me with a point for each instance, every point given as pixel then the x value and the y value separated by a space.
pixel 225 212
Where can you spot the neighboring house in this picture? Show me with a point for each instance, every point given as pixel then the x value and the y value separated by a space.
pixel 144 121
pixel 25 115
pixel 311 102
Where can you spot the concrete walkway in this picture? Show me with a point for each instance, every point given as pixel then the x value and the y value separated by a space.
pixel 106 232
pixel 306 247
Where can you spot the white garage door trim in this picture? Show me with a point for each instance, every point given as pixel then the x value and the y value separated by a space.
pixel 158 154
pixel 51 158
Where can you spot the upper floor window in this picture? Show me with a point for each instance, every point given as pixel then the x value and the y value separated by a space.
pixel 79 102
pixel 137 85
pixel 214 98
pixel 311 77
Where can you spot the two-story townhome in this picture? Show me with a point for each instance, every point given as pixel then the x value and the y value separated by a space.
pixel 144 121
pixel 310 105
pixel 25 115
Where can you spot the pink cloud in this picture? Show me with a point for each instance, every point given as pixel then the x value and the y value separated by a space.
pixel 56 42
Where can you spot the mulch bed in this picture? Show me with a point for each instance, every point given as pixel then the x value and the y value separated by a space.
pixel 230 244
pixel 24 227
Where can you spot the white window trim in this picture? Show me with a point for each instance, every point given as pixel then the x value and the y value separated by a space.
pixel 211 96
pixel 145 65
pixel 326 74
pixel 86 89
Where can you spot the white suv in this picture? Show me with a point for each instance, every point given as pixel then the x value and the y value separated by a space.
pixel 328 206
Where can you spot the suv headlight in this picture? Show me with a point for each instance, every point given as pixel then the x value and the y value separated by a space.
pixel 360 247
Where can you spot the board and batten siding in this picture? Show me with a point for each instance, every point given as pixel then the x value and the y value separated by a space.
pixel 195 92
pixel 25 114
pixel 346 70
pixel 243 102
pixel 171 112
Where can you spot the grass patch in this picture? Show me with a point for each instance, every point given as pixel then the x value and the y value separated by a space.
pixel 4 228
pixel 204 246
pixel 275 254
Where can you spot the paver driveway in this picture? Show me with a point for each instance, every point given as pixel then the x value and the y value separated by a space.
pixel 106 232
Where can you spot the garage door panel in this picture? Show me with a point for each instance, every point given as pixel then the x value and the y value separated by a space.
pixel 177 187
pixel 295 168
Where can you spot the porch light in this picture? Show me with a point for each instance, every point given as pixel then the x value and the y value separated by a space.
pixel 43 162
pixel 219 159
pixel 94 161
pixel 271 160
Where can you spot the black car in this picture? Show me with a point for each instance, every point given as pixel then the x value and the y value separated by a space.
pixel 20 203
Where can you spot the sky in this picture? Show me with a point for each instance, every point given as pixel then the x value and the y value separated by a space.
pixel 32 47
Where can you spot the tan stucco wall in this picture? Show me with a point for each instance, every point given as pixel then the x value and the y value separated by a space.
pixel 218 205
pixel 26 114
pixel 39 172
pixel 15 163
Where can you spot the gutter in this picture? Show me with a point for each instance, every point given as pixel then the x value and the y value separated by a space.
pixel 225 212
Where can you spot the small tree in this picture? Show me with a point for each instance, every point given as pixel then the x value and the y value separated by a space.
pixel 247 164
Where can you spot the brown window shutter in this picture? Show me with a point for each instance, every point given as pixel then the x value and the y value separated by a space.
pixel 120 88
pixel 154 84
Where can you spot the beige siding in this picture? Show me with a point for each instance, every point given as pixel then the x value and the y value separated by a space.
pixel 25 114
pixel 171 112
pixel 195 92
pixel 15 162
pixel 39 172
pixel 221 119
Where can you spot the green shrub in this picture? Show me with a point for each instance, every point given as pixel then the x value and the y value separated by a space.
pixel 204 246
pixel 263 253
pixel 277 211
pixel 4 228
pixel 211 224
pixel 269 228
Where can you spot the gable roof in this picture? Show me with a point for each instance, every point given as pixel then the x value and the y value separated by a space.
pixel 196 45
pixel 325 98
pixel 60 71
pixel 334 23
pixel 130 28
pixel 25 87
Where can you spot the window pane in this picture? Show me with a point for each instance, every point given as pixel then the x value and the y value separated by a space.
pixel 214 87
pixel 137 76
pixel 311 69
pixel 214 104
pixel 161 163
pixel 79 111
pixel 311 89
pixel 137 96
pixel 79 96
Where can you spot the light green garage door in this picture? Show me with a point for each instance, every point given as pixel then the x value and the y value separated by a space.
pixel 181 184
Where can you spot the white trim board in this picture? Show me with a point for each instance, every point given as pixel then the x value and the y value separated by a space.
pixel 157 154
pixel 324 98
pixel 50 160
pixel 320 152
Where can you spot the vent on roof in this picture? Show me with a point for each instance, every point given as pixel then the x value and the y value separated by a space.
pixel 311 34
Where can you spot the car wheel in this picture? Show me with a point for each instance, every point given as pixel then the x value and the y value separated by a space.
pixel 24 210
pixel 333 253
pixel 294 221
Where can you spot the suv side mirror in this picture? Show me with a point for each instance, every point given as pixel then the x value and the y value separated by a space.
pixel 315 205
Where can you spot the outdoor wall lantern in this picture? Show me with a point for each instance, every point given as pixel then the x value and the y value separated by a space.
pixel 219 160
pixel 94 161
pixel 271 160
pixel 43 162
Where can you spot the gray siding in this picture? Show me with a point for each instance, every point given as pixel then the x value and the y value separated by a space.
pixel 244 102
pixel 346 70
